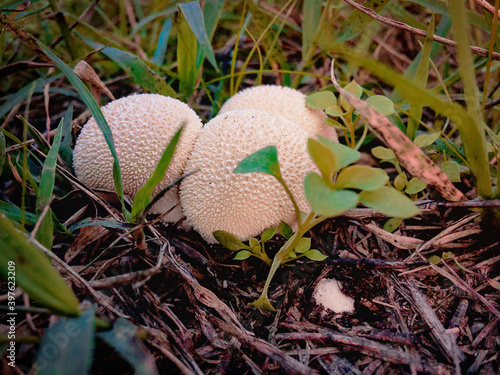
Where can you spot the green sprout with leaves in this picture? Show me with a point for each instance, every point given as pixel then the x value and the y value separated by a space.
pixel 340 187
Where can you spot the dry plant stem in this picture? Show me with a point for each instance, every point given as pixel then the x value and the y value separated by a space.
pixel 490 8
pixel 476 50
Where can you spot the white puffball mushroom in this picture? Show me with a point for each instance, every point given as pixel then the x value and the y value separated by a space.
pixel 244 204
pixel 283 101
pixel 142 126
pixel 328 295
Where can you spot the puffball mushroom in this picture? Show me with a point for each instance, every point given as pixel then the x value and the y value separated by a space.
pixel 142 127
pixel 328 295
pixel 215 198
pixel 283 101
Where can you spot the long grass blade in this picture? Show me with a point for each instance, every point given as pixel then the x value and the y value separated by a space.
pixel 161 47
pixel 33 271
pixel 186 56
pixel 311 10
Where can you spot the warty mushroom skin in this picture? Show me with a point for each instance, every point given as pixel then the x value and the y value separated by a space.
pixel 142 126
pixel 215 198
pixel 283 101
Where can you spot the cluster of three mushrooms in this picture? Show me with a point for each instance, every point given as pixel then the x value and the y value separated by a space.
pixel 213 198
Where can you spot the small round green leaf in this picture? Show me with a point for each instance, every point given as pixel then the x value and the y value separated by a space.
pixel 389 202
pixel 334 111
pixel 268 234
pixel 355 90
pixel 361 177
pixel 383 153
pixel 254 244
pixel 415 186
pixel 334 123
pixel 381 104
pixel 229 241
pixel 325 201
pixel 285 230
pixel 400 181
pixel 434 259
pixel 424 140
pixel 343 155
pixel 392 224
pixel 242 255
pixel 303 246
pixel 321 100
pixel 315 255
pixel 452 170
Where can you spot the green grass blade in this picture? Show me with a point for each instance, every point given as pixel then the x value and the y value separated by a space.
pixel 357 21
pixel 212 11
pixel 14 213
pixel 33 271
pixel 186 56
pixel 46 230
pixel 65 150
pixel 194 17
pixel 25 92
pixel 3 153
pixel 421 80
pixel 136 68
pixel 143 196
pixel 75 350
pixel 161 47
pixel 311 11
pixel 477 146
pixel 94 108
pixel 143 22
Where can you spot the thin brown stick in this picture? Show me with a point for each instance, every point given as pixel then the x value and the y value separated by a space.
pixel 490 8
pixel 400 25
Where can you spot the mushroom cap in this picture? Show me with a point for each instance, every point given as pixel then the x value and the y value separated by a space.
pixel 283 101
pixel 142 127
pixel 215 198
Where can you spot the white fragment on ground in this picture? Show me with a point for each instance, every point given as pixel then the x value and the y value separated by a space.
pixel 328 295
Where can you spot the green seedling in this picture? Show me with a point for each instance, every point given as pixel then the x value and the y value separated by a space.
pixel 340 187
pixel 343 116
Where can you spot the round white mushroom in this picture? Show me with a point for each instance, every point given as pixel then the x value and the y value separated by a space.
pixel 142 127
pixel 215 198
pixel 283 101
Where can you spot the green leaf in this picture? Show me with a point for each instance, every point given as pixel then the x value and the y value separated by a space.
pixel 335 111
pixel 3 154
pixel 254 244
pixel 123 338
pixel 325 201
pixel 194 17
pixel 434 259
pixel 15 213
pixel 315 255
pixel 311 16
pixel 65 150
pixel 242 255
pixel 186 56
pixel 357 22
pixel 400 181
pixel 424 140
pixel 361 177
pixel 334 123
pixel 383 153
pixel 452 170
pixel 229 241
pixel 415 186
pixel 392 224
pixel 268 234
pixel 45 234
pixel 33 271
pixel 107 223
pixel 323 157
pixel 143 196
pixel 94 108
pixel 389 202
pixel 67 347
pixel 263 303
pixel 321 100
pixel 285 230
pixel 355 89
pixel 264 160
pixel 161 47
pixel 303 245
pixel 381 104
pixel 136 68
pixel 342 155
